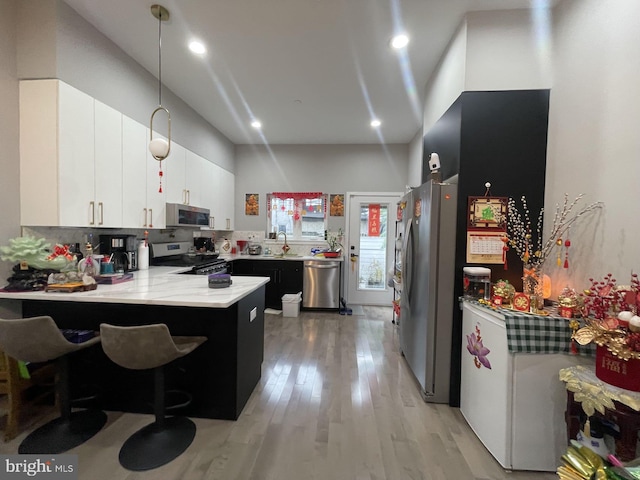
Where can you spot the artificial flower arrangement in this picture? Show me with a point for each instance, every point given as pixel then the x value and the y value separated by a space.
pixel 611 322
pixel 534 250
pixel 610 315
pixel 530 245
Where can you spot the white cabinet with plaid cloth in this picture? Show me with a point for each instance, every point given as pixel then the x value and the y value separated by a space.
pixel 510 393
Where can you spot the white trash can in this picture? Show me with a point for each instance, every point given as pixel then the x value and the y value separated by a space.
pixel 291 304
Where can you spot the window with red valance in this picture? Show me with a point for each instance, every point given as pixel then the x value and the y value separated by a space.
pixel 301 215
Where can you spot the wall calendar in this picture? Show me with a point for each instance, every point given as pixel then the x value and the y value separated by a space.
pixel 486 229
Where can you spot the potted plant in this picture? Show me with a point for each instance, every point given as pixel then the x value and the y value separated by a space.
pixel 335 247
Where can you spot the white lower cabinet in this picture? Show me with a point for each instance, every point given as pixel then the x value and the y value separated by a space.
pixel 516 407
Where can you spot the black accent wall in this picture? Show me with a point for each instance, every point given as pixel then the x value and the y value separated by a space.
pixel 498 137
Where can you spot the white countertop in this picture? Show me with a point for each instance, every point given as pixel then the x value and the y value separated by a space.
pixel 300 258
pixel 156 286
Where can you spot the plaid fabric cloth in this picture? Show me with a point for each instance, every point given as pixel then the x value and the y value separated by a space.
pixel 528 333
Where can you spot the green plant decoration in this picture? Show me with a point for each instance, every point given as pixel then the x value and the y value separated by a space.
pixel 35 252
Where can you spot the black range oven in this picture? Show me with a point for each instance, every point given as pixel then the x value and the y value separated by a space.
pixel 182 254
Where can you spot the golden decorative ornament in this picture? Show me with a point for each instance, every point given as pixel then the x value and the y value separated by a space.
pixel 613 339
pixel 504 289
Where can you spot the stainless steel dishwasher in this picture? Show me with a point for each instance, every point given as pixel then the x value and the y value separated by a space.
pixel 321 284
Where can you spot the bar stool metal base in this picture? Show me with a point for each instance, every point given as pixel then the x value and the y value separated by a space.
pixel 60 434
pixel 153 445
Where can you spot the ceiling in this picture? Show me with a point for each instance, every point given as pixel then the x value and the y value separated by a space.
pixel 312 71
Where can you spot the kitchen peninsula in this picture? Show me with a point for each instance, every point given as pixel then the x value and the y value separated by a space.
pixel 220 375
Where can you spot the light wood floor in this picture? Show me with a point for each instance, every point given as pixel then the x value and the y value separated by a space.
pixel 336 401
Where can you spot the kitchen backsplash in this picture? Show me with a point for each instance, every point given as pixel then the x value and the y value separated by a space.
pixel 297 247
pixel 55 235
pixel 59 235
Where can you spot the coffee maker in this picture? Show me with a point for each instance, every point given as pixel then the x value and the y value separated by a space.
pixel 124 251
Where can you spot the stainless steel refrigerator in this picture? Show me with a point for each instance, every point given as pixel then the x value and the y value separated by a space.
pixel 427 299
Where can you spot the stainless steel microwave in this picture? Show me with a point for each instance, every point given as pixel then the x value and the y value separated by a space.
pixel 179 215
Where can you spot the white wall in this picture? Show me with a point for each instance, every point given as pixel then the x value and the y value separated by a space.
pixel 587 56
pixel 9 135
pixel 594 145
pixel 508 50
pixel 315 168
pixel 414 167
pixel 447 81
pixel 87 60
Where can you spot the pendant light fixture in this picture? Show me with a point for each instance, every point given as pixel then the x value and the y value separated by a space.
pixel 160 147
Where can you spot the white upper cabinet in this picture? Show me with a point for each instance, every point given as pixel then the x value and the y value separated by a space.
pixel 184 177
pixel 194 179
pixel 108 166
pixel 222 198
pixel 209 187
pixel 84 164
pixel 156 209
pixel 135 210
pixel 226 199
pixel 75 156
pixel 57 168
pixel 174 174
pixel 70 157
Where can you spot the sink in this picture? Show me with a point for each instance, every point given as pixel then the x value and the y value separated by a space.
pixel 287 255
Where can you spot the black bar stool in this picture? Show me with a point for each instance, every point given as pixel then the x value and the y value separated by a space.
pixel 36 340
pixel 148 347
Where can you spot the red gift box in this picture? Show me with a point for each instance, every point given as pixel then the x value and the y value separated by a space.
pixel 617 372
pixel 565 312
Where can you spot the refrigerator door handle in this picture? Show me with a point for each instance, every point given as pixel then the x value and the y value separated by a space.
pixel 407 265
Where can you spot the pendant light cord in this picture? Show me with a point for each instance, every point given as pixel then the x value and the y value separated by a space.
pixel 160 57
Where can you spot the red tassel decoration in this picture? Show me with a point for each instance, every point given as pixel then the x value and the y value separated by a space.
pixel 567 244
pixel 574 347
pixel 160 174
pixel 505 249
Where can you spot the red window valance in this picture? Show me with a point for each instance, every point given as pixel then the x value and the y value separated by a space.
pixel 296 195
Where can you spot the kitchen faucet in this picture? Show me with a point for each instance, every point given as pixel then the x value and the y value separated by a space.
pixel 285 247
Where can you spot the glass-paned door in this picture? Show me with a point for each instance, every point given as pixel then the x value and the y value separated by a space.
pixel 370 248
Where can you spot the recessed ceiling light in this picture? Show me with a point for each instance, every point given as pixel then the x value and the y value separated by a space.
pixel 375 123
pixel 256 124
pixel 400 41
pixel 197 48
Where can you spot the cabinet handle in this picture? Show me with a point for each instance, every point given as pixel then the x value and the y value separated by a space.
pixel 184 196
pixel 101 208
pixel 92 207
pixel 212 221
pixel 228 224
pixel 151 218
pixel 188 197
pixel 145 217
